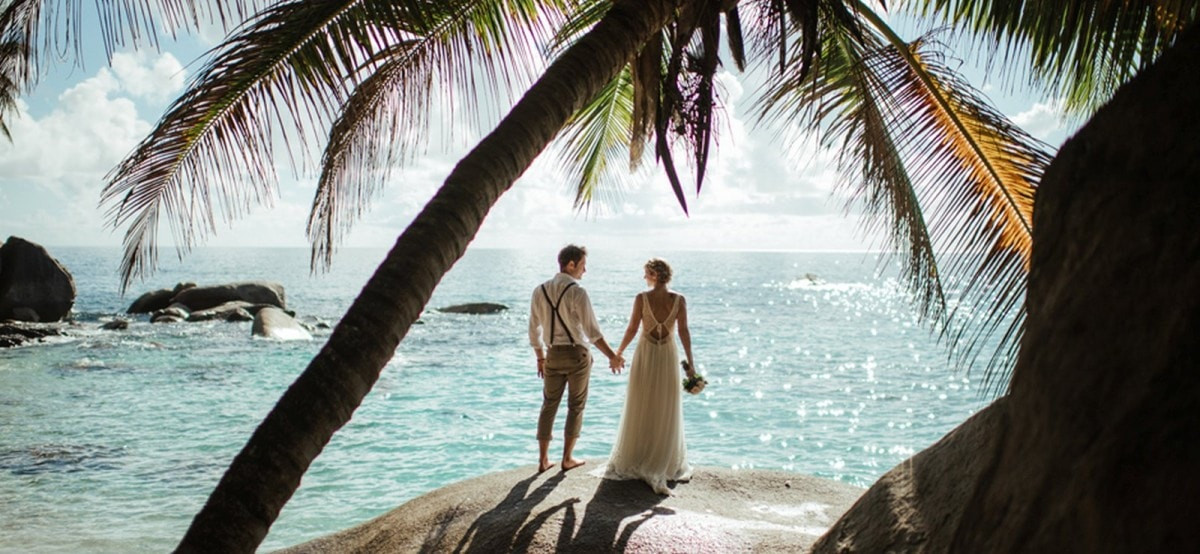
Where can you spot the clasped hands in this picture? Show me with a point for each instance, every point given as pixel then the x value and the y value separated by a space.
pixel 616 363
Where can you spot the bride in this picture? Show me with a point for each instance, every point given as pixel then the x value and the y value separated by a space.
pixel 650 444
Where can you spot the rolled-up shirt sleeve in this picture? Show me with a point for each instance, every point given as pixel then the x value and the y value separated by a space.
pixel 586 317
pixel 535 326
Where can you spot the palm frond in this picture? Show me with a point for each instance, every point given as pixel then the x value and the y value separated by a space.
pixel 596 141
pixel 948 170
pixel 385 120
pixel 584 15
pixel 647 76
pixel 843 101
pixel 28 27
pixel 733 33
pixel 686 97
pixel 980 175
pixel 214 146
pixel 1079 49
pixel 700 104
pixel 18 32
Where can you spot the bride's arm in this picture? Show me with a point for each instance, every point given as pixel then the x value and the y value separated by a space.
pixel 685 336
pixel 634 322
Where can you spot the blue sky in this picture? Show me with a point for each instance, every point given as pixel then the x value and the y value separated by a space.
pixel 760 195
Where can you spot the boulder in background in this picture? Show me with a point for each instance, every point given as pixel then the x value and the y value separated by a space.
pixel 274 323
pixel 33 285
pixel 254 292
pixel 474 308
pixel 156 299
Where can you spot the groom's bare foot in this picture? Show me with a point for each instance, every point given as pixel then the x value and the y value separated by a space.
pixel 543 465
pixel 572 463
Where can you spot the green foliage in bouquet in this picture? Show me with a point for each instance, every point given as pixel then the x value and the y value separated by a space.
pixel 695 383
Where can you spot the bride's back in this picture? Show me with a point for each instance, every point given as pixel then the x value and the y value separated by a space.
pixel 659 312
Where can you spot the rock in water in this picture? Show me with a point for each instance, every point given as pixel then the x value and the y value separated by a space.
pixel 254 292
pixel 16 335
pixel 474 308
pixel 33 284
pixel 116 325
pixel 235 310
pixel 275 323
pixel 156 299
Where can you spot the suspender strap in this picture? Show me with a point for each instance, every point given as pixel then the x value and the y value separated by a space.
pixel 558 316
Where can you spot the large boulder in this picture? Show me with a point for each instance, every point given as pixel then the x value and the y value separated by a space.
pixel 720 510
pixel 1098 448
pixel 156 299
pixel 274 323
pixel 255 292
pixel 917 505
pixel 33 285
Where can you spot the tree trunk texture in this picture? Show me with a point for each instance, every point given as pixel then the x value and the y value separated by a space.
pixel 267 471
pixel 1098 447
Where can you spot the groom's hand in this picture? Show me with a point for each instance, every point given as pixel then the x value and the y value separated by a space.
pixel 541 365
pixel 616 363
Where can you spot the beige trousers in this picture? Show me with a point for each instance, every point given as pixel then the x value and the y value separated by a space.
pixel 566 367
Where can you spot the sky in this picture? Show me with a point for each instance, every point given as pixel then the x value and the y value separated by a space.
pixel 760 194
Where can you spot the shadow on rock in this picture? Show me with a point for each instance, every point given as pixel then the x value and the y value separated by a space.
pixel 498 528
pixel 606 522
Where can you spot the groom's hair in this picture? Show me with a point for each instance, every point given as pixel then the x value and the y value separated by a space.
pixel 570 253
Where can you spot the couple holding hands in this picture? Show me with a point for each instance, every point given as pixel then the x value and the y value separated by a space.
pixel 650 445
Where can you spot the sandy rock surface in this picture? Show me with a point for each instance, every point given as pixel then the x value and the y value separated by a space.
pixel 720 510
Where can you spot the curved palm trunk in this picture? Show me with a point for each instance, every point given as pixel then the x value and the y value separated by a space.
pixel 267 471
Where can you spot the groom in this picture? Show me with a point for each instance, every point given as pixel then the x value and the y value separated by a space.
pixel 561 317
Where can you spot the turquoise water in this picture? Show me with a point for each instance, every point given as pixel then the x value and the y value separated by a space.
pixel 111 441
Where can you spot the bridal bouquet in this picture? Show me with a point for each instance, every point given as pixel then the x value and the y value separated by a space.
pixel 693 384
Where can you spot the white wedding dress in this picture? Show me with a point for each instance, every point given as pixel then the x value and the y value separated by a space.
pixel 650 444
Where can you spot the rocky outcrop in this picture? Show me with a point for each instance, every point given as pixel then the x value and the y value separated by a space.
pixel 274 323
pixel 474 308
pixel 236 310
pixel 156 299
pixel 174 313
pixel 917 505
pixel 115 325
pixel 201 299
pixel 16 334
pixel 720 510
pixel 254 292
pixel 33 285
pixel 1097 449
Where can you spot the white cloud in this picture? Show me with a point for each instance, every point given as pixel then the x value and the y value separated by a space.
pixel 157 78
pixel 758 195
pixel 1043 120
pixel 53 169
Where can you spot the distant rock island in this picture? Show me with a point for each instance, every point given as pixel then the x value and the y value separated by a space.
pixel 474 308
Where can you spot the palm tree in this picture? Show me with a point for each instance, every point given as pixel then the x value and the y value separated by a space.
pixel 267 471
pixel 918 141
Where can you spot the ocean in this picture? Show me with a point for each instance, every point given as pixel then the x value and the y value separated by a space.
pixel 110 441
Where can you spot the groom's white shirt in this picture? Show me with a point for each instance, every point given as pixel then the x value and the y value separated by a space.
pixel 575 309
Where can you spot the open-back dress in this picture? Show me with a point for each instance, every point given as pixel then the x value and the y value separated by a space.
pixel 650 444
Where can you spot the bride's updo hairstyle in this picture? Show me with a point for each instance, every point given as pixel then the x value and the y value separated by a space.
pixel 661 269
